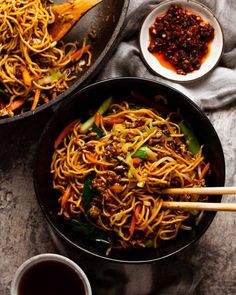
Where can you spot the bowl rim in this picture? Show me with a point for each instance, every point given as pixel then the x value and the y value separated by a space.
pixel 176 77
pixel 103 257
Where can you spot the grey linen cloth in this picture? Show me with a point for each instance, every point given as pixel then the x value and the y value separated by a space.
pixel 216 95
pixel 215 90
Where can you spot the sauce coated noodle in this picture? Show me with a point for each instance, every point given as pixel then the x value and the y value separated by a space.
pixel 124 158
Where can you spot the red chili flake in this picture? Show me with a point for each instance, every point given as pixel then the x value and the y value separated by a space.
pixel 181 38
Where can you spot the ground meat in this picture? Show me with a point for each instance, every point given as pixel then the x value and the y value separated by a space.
pixel 129 138
pixel 89 146
pixel 111 151
pixel 99 184
pixel 135 123
pixel 154 139
pixel 94 211
pixel 112 177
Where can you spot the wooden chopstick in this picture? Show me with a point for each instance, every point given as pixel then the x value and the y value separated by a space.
pixel 199 206
pixel 199 190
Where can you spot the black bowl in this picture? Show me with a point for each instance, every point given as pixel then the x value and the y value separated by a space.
pixel 107 20
pixel 77 106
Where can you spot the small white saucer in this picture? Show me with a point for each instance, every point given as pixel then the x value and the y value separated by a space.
pixel 216 47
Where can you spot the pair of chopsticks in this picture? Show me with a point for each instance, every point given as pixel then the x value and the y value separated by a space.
pixel 200 205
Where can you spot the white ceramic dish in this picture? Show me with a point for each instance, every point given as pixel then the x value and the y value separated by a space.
pixel 216 47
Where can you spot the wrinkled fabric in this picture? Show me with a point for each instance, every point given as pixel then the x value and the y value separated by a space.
pixel 216 90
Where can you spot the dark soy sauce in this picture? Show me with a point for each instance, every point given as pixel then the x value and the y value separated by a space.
pixel 51 278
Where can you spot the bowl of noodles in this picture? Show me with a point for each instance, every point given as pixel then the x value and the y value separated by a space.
pixel 51 48
pixel 104 161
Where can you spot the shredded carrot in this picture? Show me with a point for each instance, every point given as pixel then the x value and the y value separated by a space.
pixel 134 219
pixel 64 132
pixel 132 225
pixel 112 121
pixel 97 119
pixel 204 171
pixel 78 54
pixel 26 76
pixel 15 104
pixel 36 99
pixel 66 196
pixel 117 188
pixel 140 127
pixel 91 159
pixel 136 161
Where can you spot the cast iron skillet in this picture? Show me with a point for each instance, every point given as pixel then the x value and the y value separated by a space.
pixel 77 106
pixel 106 19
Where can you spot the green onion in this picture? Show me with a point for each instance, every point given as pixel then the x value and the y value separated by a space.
pixel 102 109
pixel 145 153
pixel 54 76
pixel 191 140
pixel 142 154
pixel 97 130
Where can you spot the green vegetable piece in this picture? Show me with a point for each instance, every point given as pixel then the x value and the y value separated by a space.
pixel 102 109
pixel 90 231
pixel 191 140
pixel 97 130
pixel 145 152
pixel 149 243
pixel 105 106
pixel 54 76
pixel 142 154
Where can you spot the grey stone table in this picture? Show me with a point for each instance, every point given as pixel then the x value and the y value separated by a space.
pixel 211 264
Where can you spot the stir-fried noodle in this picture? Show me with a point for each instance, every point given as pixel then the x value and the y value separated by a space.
pixel 127 156
pixel 33 67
